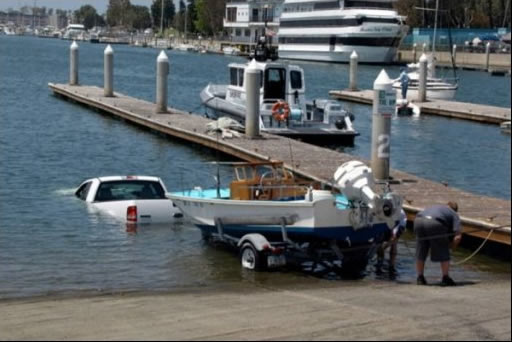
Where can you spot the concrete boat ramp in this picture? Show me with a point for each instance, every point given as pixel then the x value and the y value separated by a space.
pixel 309 310
pixel 481 216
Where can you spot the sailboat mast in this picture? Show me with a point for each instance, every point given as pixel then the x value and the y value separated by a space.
pixel 434 41
pixel 435 28
pixel 186 15
pixel 162 18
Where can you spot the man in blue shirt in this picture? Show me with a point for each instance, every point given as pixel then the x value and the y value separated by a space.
pixel 437 228
pixel 404 82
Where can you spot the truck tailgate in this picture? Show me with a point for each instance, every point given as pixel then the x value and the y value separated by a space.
pixel 148 211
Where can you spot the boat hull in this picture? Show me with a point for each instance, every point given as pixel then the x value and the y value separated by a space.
pixel 366 54
pixel 316 220
pixel 345 236
pixel 432 94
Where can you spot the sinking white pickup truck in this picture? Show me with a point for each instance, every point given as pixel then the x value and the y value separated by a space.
pixel 132 199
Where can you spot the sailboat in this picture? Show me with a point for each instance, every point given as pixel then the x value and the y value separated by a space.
pixel 437 88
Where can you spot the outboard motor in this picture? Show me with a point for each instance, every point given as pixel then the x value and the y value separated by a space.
pixel 346 122
pixel 356 182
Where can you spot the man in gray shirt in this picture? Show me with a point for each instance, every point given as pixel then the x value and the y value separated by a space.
pixel 437 228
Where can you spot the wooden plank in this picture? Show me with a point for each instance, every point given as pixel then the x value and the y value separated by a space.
pixel 452 109
pixel 309 161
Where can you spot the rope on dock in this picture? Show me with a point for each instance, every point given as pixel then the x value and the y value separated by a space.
pixel 476 251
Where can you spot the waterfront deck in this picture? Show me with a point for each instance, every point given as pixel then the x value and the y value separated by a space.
pixel 480 214
pixel 451 109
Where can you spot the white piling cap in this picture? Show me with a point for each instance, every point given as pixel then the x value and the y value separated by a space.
pixel 162 57
pixel 354 55
pixel 109 50
pixel 252 67
pixel 382 81
pixel 74 45
pixel 414 44
pixel 488 44
pixel 423 58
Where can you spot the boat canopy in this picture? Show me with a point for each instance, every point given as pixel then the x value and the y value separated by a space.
pixel 277 79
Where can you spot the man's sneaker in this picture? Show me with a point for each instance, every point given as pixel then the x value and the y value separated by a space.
pixel 447 281
pixel 421 280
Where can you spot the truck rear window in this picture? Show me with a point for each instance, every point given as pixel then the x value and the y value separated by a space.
pixel 129 190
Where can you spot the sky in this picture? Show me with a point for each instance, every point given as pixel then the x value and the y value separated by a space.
pixel 100 5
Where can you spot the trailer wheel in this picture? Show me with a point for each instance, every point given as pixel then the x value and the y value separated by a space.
pixel 250 258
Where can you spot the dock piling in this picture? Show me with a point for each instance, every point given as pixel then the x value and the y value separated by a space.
pixel 384 102
pixel 252 90
pixel 454 54
pixel 424 48
pixel 73 64
pixel 108 71
pixel 487 55
pixel 354 58
pixel 162 72
pixel 422 84
pixel 414 47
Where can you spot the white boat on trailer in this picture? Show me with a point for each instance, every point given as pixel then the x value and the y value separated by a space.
pixel 266 212
pixel 320 121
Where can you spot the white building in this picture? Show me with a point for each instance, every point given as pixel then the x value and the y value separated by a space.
pixel 247 20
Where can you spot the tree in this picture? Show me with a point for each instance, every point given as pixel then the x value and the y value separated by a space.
pixel 89 17
pixel 408 9
pixel 191 16
pixel 169 13
pixel 140 17
pixel 118 12
pixel 179 19
pixel 210 15
pixel 458 13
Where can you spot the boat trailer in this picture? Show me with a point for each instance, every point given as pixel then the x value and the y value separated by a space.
pixel 257 253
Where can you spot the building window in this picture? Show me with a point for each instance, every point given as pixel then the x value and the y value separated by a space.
pixel 231 14
pixel 247 32
pixel 255 13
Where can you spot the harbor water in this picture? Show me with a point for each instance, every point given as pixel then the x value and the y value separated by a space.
pixel 51 244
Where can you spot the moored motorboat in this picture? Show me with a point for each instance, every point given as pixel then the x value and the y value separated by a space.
pixel 330 31
pixel 505 127
pixel 436 88
pixel 320 121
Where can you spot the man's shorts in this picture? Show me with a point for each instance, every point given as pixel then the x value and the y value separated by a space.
pixel 431 235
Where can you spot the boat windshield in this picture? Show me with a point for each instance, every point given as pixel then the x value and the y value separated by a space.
pixel 275 83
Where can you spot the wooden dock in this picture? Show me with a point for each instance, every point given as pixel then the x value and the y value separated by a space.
pixel 451 109
pixel 479 214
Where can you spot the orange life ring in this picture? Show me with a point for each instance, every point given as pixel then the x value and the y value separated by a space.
pixel 281 110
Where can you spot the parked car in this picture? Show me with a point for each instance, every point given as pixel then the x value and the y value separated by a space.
pixel 132 199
